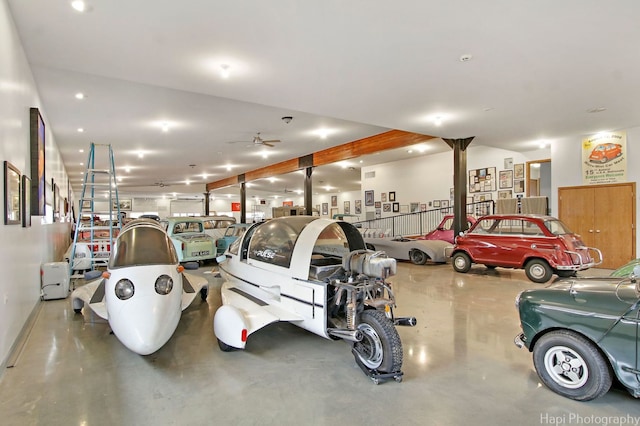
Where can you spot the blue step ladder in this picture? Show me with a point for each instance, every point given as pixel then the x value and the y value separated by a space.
pixel 99 220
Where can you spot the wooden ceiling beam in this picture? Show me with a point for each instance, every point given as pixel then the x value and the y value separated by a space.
pixel 365 146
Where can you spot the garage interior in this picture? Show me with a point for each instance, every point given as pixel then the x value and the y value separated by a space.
pixel 182 91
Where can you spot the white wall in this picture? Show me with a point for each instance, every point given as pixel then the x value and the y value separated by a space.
pixel 22 250
pixel 428 178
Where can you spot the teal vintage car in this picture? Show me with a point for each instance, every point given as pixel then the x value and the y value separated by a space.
pixel 582 332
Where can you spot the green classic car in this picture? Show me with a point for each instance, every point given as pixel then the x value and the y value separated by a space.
pixel 582 331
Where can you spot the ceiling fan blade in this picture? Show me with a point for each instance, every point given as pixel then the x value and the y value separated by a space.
pixel 267 144
pixel 272 141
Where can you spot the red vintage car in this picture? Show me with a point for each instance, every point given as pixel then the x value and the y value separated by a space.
pixel 445 231
pixel 605 152
pixel 542 245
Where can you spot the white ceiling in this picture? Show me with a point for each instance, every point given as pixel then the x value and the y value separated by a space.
pixel 356 67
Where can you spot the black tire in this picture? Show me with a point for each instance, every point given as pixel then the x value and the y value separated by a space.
pixel 380 348
pixel 571 366
pixel 461 262
pixel 418 257
pixel 491 266
pixel 538 271
pixel 77 310
pixel 224 347
pixel 204 292
pixel 566 274
pixel 370 247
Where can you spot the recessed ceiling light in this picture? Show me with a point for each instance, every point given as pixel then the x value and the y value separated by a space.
pixel 437 120
pixel 465 58
pixel 79 5
pixel 80 95
pixel 224 71
pixel 140 154
pixel 164 126
pixel 80 130
pixel 81 150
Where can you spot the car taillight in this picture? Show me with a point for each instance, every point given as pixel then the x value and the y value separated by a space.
pixel 244 335
pixel 182 247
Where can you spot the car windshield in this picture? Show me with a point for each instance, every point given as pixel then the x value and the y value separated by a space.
pixel 143 245
pixel 273 241
pixel 556 227
pixel 181 227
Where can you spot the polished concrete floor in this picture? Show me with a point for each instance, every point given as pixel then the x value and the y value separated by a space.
pixel 461 368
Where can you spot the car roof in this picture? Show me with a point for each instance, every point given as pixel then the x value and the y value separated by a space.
pixel 508 216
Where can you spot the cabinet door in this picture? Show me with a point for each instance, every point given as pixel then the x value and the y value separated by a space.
pixel 575 207
pixel 614 224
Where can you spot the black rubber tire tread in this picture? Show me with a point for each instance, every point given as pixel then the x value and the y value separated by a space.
pixel 391 344
pixel 548 271
pixel 418 257
pixel 599 370
pixel 467 260
pixel 204 292
pixel 566 274
pixel 224 347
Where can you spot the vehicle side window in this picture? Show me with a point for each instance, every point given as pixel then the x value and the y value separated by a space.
pixel 485 226
pixel 448 224
pixel 209 224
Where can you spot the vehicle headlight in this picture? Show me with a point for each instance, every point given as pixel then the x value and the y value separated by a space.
pixel 164 284
pixel 124 289
pixel 518 299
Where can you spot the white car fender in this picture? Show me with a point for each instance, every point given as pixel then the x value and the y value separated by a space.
pixel 228 326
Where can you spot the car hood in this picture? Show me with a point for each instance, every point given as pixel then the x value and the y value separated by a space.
pixel 605 296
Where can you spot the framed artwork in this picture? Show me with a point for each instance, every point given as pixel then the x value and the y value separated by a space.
pixel 347 207
pixel 518 171
pixel 506 179
pixel 508 163
pixel 396 207
pixel 358 204
pixel 505 193
pixel 26 201
pixel 386 207
pixel 404 208
pixel 37 144
pixel 377 204
pixel 12 214
pixel 378 213
pixel 482 180
pixel 414 207
pixel 368 198
pixel 125 204
pixel 318 208
pixel 518 186
pixel 325 209
pixel 436 203
pixel 56 200
pixel 383 197
pixel 444 203
pixel 423 207
pixel 392 196
pixel 334 201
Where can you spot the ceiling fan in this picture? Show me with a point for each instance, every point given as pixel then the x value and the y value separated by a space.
pixel 257 140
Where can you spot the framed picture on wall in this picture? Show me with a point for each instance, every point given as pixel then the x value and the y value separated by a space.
pixel 396 207
pixel 368 198
pixel 383 197
pixel 358 204
pixel 347 207
pixel 386 207
pixel 334 201
pixel 518 171
pixel 518 186
pixel 505 193
pixel 12 214
pixel 377 204
pixel 506 179
pixel 37 144
pixel 392 196
pixel 325 209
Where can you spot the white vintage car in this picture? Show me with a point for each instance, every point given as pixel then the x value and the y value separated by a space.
pixel 316 274
pixel 144 289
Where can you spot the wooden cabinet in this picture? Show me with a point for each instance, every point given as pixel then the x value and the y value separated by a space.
pixel 604 216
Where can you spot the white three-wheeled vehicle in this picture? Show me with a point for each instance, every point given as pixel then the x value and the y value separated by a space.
pixel 317 274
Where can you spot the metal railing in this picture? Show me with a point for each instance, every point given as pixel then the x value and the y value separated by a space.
pixel 419 223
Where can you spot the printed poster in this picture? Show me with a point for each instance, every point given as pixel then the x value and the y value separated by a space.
pixel 604 158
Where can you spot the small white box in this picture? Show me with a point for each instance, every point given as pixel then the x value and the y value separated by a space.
pixel 54 280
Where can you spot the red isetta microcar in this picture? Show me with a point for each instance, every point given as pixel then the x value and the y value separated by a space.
pixel 542 245
pixel 605 152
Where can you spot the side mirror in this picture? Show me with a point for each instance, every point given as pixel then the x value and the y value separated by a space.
pixel 220 259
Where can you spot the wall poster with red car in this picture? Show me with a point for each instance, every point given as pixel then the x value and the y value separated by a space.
pixel 604 158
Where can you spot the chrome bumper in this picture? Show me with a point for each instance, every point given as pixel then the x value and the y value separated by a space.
pixel 579 265
pixel 519 340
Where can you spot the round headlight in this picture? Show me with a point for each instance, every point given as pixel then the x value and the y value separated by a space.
pixel 164 284
pixel 124 289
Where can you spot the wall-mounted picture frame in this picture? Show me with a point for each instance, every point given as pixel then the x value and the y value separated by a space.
pixel 436 203
pixel 414 207
pixel 347 207
pixel 125 204
pixel 392 195
pixel 368 198
pixel 506 179
pixel 37 150
pixel 444 203
pixel 404 208
pixel 334 201
pixel 396 207
pixel 377 204
pixel 518 171
pixel 383 197
pixel 386 207
pixel 358 207
pixel 518 186
pixel 505 193
pixel 423 207
pixel 11 194
pixel 508 163
pixel 325 209
pixel 26 201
